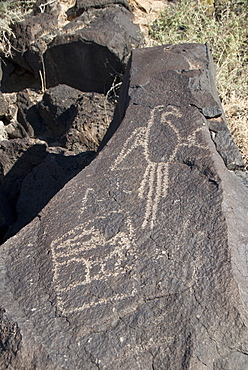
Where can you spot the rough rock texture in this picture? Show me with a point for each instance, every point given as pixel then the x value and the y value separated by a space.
pixel 10 339
pixel 42 182
pixel 31 174
pixel 84 5
pixel 225 144
pixel 102 39
pixel 87 53
pixel 18 157
pixel 70 125
pixel 140 260
pixel 58 109
pixel 53 135
pixel 77 120
pixel 3 106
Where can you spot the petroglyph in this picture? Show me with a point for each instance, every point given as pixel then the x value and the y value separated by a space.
pixel 85 263
pixel 92 269
pixel 158 156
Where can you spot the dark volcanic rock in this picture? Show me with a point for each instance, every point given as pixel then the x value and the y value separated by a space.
pixel 25 68
pixel 94 114
pixel 140 260
pixel 18 157
pixel 10 339
pixel 58 109
pixel 6 214
pixel 23 104
pixel 66 54
pixel 71 124
pixel 87 53
pixel 225 145
pixel 76 120
pixel 31 174
pixel 111 27
pixel 95 46
pixel 83 5
pixel 42 183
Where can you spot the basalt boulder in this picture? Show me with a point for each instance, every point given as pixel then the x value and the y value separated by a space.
pixel 95 46
pixel 83 5
pixel 140 260
pixel 50 141
pixel 87 53
pixel 76 120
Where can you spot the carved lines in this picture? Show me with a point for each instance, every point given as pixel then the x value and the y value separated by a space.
pixel 137 138
pixel 90 270
pixel 155 181
pixel 154 184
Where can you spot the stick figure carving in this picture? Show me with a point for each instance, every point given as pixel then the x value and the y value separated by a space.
pixel 152 139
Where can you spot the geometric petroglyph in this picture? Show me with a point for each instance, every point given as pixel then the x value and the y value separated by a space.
pixel 90 270
pixel 151 138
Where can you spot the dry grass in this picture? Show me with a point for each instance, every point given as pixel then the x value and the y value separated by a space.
pixel 236 110
pixel 11 11
pixel 225 28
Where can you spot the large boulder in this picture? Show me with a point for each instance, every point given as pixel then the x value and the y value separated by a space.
pixel 140 260
pixel 87 53
pixel 76 120
pixel 83 5
pixel 58 109
pixel 95 46
pixel 25 66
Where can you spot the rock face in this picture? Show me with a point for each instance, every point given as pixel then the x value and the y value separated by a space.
pixel 58 88
pixel 77 120
pixel 68 126
pixel 87 53
pixel 140 260
pixel 61 132
pixel 84 5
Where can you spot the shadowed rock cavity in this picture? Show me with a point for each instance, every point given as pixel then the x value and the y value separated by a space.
pixel 89 53
pixel 57 104
pixel 140 260
pixel 70 125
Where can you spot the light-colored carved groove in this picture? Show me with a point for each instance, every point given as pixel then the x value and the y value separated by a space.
pixel 155 181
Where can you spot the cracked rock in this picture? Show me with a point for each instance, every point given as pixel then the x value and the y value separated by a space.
pixel 140 261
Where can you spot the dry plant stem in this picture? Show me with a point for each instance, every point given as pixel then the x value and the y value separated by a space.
pixel 42 7
pixel 113 88
pixel 42 74
pixel 11 11
pixel 90 135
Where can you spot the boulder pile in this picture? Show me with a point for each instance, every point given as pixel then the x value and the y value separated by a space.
pixel 59 89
